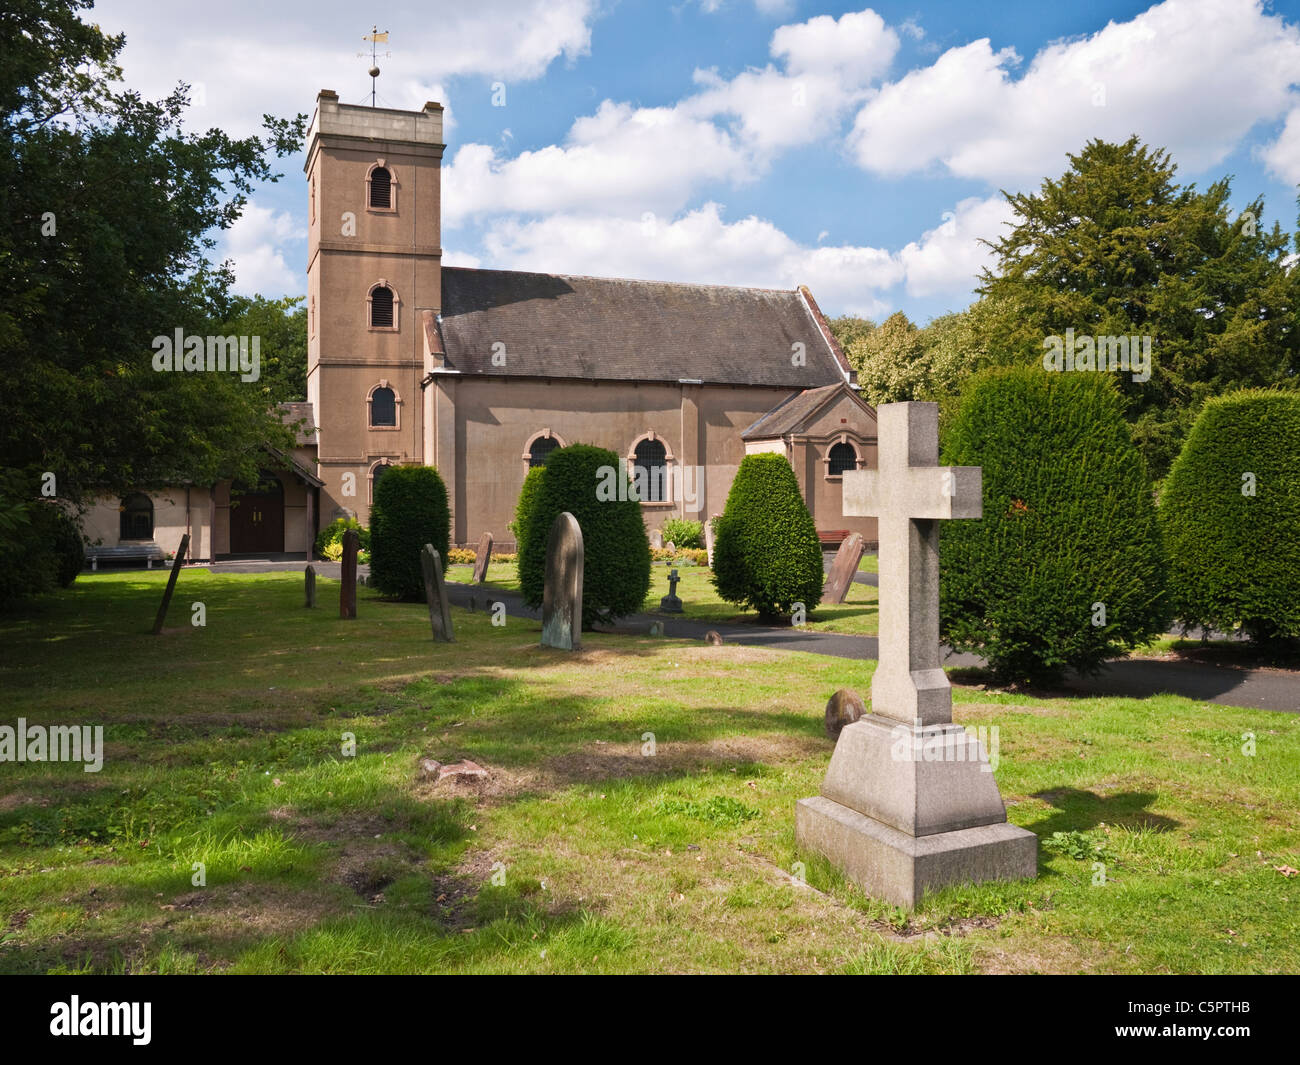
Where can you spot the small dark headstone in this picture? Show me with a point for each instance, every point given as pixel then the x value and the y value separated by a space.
pixel 713 637
pixel 670 604
pixel 843 569
pixel 171 585
pixel 843 708
pixel 562 591
pixel 348 592
pixel 482 558
pixel 309 585
pixel 435 594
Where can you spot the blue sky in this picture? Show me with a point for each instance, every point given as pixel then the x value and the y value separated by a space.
pixel 859 150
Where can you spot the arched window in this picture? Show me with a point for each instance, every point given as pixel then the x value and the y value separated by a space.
pixel 381 188
pixel 540 449
pixel 137 518
pixel 383 407
pixel 377 472
pixel 650 473
pixel 841 458
pixel 381 307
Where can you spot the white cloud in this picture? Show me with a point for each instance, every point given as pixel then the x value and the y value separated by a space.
pixel 1192 76
pixel 948 258
pixel 1283 156
pixel 255 244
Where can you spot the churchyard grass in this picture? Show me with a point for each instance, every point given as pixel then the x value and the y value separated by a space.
pixel 224 747
pixel 856 616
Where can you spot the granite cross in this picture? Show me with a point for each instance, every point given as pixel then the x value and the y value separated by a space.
pixel 908 495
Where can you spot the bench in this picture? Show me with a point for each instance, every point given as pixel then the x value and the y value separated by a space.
pixel 151 553
pixel 832 538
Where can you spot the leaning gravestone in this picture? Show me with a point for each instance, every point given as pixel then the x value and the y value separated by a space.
pixel 171 585
pixel 843 568
pixel 309 585
pixel 909 803
pixel 562 592
pixel 348 592
pixel 482 558
pixel 435 594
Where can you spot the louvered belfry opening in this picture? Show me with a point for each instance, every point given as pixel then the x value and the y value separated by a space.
pixel 381 188
pixel 381 308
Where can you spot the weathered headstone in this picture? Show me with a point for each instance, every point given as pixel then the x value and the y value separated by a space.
pixel 840 579
pixel 562 591
pixel 482 558
pixel 708 539
pixel 670 604
pixel 656 628
pixel 309 585
pixel 348 590
pixel 713 638
pixel 670 546
pixel 909 803
pixel 171 585
pixel 656 539
pixel 843 708
pixel 435 594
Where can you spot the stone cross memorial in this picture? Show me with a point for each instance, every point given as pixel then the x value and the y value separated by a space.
pixel 670 604
pixel 843 568
pixel 909 803
pixel 435 594
pixel 562 591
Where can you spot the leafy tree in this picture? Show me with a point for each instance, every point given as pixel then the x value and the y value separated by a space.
pixel 409 511
pixel 581 479
pixel 1230 511
pixel 281 325
pixel 766 554
pixel 1115 247
pixel 1065 568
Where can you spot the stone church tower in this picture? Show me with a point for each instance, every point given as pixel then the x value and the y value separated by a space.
pixel 374 287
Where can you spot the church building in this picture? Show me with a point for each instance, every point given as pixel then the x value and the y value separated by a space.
pixel 481 373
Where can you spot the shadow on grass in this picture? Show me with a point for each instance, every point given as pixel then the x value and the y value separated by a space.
pixel 1078 810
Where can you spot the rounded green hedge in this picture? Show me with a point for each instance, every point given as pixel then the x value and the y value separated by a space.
pixel 1065 569
pixel 582 479
pixel 409 511
pixel 524 506
pixel 1230 511
pixel 766 554
pixel 332 534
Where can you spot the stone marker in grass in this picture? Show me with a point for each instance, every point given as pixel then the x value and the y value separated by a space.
pixel 670 604
pixel 171 585
pixel 309 585
pixel 909 803
pixel 348 591
pixel 562 591
pixel 482 558
pixel 843 568
pixel 656 539
pixel 435 594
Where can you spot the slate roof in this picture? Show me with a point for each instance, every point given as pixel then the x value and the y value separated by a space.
pixel 300 411
pixel 594 328
pixel 790 415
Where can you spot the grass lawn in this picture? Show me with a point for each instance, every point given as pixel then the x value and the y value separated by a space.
pixel 857 615
pixel 224 747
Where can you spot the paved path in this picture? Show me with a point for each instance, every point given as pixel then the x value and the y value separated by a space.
pixel 1261 689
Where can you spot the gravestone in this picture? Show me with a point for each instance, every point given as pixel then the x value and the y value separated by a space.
pixel 909 803
pixel 843 708
pixel 435 594
pixel 670 546
pixel 482 558
pixel 348 591
pixel 843 568
pixel 562 591
pixel 713 638
pixel 708 539
pixel 670 604
pixel 656 539
pixel 171 585
pixel 309 585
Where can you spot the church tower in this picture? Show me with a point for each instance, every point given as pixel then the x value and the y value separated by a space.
pixel 374 288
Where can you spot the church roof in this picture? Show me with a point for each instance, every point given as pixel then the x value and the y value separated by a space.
pixel 794 412
pixel 598 328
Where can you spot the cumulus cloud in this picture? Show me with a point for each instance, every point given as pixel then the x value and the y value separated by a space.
pixel 255 245
pixel 1282 157
pixel 1193 76
pixel 950 257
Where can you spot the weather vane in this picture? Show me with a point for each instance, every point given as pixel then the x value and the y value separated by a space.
pixel 374 37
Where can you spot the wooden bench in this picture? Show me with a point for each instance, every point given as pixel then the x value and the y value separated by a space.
pixel 151 553
pixel 832 538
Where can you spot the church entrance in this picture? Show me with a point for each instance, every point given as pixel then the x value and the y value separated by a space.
pixel 257 517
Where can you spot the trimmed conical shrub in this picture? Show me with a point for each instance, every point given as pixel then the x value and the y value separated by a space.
pixel 524 505
pixel 584 480
pixel 1230 511
pixel 1065 569
pixel 409 511
pixel 766 554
